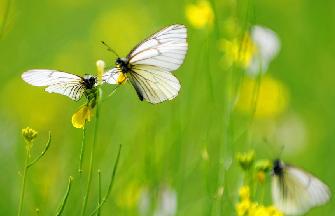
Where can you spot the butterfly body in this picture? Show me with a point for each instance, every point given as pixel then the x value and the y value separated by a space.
pixel 89 81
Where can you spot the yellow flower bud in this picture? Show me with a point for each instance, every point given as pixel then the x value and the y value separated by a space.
pixel 100 70
pixel 246 159
pixel 29 134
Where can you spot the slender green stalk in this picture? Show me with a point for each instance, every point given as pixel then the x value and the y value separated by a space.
pixel 27 165
pixel 5 18
pixel 92 153
pixel 110 186
pixel 82 150
pixel 62 206
pixel 99 197
pixel 46 147
pixel 23 184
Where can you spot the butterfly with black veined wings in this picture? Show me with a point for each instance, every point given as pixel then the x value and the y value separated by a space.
pixel 295 191
pixel 149 65
pixel 70 85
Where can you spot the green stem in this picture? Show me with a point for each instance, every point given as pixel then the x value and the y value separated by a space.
pixel 82 150
pixel 47 145
pixel 5 17
pixel 91 164
pixel 99 198
pixel 62 206
pixel 110 186
pixel 24 178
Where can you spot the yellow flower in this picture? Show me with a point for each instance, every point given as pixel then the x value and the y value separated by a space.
pixel 81 116
pixel 29 134
pixel 246 159
pixel 263 165
pixel 244 192
pixel 272 97
pixel 129 196
pixel 239 52
pixel 242 207
pixel 247 207
pixel 200 14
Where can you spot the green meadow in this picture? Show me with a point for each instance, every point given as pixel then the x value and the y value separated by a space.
pixel 179 157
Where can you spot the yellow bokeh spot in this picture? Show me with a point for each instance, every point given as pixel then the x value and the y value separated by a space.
pixel 272 98
pixel 200 14
pixel 81 116
pixel 128 198
pixel 237 51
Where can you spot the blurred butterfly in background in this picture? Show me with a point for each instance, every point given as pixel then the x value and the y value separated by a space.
pixel 149 65
pixel 70 85
pixel 295 191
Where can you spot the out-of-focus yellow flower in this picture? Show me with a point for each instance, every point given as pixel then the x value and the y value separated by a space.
pixel 200 14
pixel 29 134
pixel 239 52
pixel 246 207
pixel 128 198
pixel 263 165
pixel 244 192
pixel 83 115
pixel 245 159
pixel 272 98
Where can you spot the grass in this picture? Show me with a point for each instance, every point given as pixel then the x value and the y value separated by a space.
pixel 186 146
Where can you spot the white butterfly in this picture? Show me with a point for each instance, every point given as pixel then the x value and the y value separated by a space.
pixel 295 191
pixel 149 65
pixel 67 84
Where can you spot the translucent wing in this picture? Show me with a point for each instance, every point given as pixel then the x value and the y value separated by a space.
pixel 111 76
pixel 165 49
pixel 154 84
pixel 296 191
pixel 63 83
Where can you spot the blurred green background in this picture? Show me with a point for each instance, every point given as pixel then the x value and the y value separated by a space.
pixel 174 154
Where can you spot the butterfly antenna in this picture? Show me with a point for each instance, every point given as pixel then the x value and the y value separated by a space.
pixel 109 48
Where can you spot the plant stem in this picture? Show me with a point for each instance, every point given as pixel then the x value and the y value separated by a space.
pixel 5 18
pixel 62 206
pixel 82 150
pixel 110 186
pixel 91 165
pixel 24 178
pixel 99 200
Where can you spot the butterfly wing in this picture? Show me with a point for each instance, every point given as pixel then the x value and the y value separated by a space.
pixel 296 191
pixel 59 82
pixel 153 84
pixel 112 76
pixel 152 62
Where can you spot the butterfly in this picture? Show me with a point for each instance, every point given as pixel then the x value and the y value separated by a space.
pixel 295 191
pixel 70 85
pixel 149 65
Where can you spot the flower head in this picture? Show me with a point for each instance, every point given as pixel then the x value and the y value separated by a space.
pixel 200 14
pixel 272 98
pixel 267 44
pixel 246 159
pixel 247 207
pixel 29 134
pixel 239 52
pixel 83 115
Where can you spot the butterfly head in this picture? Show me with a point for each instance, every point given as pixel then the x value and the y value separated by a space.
pixel 89 81
pixel 122 64
pixel 278 167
